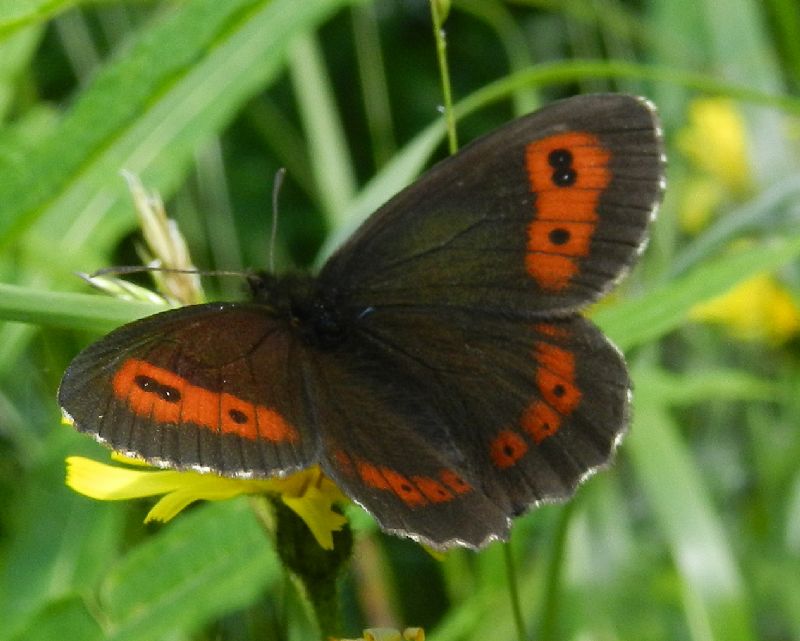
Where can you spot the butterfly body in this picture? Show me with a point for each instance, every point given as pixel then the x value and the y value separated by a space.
pixel 437 367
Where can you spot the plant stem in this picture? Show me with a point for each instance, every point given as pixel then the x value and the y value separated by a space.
pixel 439 10
pixel 513 591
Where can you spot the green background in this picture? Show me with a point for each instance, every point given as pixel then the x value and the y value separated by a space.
pixel 695 531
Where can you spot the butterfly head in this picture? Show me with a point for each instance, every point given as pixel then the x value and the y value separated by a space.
pixel 312 313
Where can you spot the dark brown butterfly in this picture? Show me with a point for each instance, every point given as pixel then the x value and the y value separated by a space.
pixel 437 367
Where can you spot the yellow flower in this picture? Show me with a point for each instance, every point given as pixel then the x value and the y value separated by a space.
pixel 715 143
pixel 757 309
pixel 309 493
pixel 390 634
pixel 701 197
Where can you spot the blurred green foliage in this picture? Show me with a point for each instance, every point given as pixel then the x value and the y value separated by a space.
pixel 693 534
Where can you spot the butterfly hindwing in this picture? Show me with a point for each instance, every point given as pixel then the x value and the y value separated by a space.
pixel 514 412
pixel 389 452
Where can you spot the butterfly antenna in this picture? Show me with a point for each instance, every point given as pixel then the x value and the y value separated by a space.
pixel 138 269
pixel 276 188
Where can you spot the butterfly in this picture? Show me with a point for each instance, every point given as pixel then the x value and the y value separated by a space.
pixel 437 368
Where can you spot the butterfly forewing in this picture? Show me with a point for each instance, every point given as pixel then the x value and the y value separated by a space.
pixel 207 387
pixel 540 216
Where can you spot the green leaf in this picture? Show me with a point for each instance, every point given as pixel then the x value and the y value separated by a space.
pixel 204 564
pixel 146 112
pixel 61 542
pixel 63 619
pixel 696 388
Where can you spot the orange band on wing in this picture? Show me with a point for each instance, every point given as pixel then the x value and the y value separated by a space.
pixel 404 488
pixel 507 448
pixel 540 421
pixel 434 491
pixel 372 476
pixel 416 491
pixel 567 172
pixel 551 330
pixel 560 395
pixel 164 397
pixel 555 377
pixel 454 482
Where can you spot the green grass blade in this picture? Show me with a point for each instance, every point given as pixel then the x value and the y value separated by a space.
pixel 147 112
pixel 715 601
pixel 74 311
pixel 16 51
pixel 330 158
pixel 374 85
pixel 15 14
pixel 395 175
pixel 664 308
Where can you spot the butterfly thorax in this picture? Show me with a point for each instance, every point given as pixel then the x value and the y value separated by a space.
pixel 312 314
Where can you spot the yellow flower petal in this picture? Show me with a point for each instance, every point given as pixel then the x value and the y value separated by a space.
pixel 309 493
pixel 715 143
pixel 110 483
pixel 715 140
pixel 699 202
pixel 390 634
pixel 192 486
pixel 315 510
pixel 757 309
pixel 382 634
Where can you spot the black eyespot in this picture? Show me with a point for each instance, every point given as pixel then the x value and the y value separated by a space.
pixel 237 416
pixel 559 236
pixel 152 386
pixel 560 158
pixel 564 177
pixel 559 390
pixel 169 394
pixel 145 383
